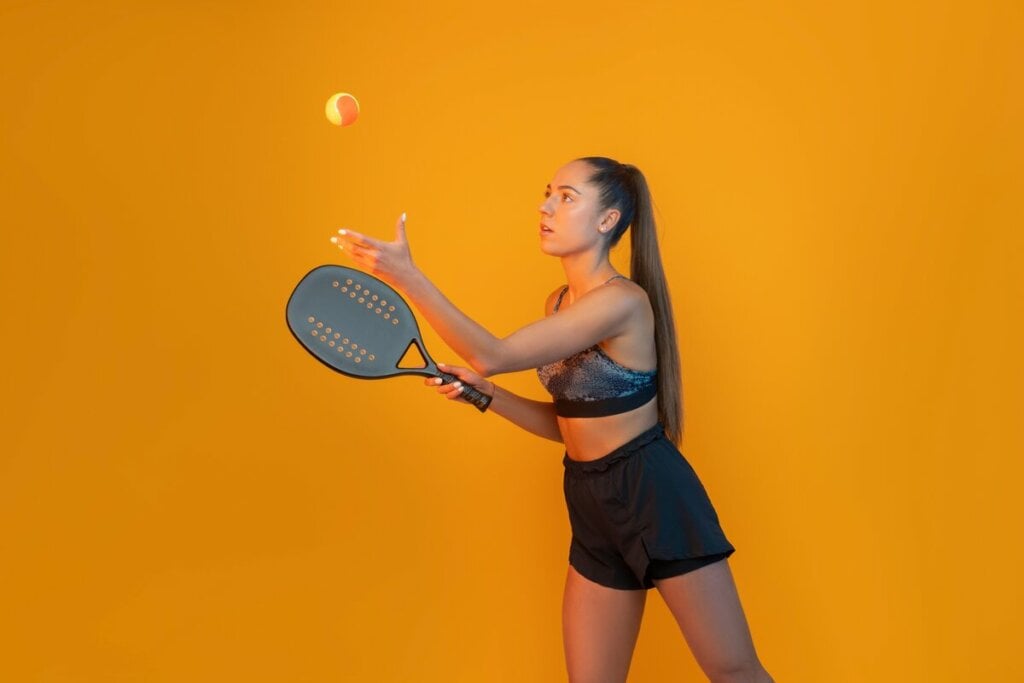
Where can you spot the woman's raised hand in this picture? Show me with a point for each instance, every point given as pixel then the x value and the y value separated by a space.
pixel 454 390
pixel 389 261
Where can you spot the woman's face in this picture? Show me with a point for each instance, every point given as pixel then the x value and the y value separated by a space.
pixel 570 211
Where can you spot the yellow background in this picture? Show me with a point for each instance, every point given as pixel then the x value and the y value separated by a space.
pixel 187 495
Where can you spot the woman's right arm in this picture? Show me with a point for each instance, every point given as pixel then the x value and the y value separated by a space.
pixel 536 417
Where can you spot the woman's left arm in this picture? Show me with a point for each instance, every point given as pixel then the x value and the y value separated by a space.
pixel 600 314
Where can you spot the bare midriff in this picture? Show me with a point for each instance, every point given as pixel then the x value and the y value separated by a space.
pixel 589 438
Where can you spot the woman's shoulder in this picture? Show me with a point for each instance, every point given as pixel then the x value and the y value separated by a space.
pixel 624 283
pixel 633 292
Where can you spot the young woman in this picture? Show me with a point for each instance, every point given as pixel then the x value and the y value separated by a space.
pixel 606 352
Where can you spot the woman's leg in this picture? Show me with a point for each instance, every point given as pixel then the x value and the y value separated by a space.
pixel 706 606
pixel 600 626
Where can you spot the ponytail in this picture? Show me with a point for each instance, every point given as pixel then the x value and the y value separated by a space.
pixel 624 187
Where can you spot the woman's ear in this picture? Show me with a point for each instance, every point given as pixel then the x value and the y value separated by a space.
pixel 609 220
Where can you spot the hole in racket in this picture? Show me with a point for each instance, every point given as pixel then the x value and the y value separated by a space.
pixel 408 354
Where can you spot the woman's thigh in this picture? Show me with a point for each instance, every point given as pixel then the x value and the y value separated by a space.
pixel 600 626
pixel 706 605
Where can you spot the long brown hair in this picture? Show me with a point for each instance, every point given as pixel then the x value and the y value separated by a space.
pixel 624 187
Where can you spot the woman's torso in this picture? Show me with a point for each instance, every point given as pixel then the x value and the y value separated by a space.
pixel 589 438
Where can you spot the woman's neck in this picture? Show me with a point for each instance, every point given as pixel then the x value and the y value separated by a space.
pixel 584 272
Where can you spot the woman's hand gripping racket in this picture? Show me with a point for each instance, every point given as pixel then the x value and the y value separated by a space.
pixel 358 325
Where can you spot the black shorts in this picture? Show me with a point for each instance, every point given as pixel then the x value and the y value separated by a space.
pixel 640 513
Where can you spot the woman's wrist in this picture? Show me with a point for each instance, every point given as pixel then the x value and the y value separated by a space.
pixel 410 281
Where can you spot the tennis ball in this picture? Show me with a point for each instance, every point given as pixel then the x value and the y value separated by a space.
pixel 342 109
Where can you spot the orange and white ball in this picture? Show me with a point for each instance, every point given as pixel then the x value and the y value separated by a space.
pixel 342 109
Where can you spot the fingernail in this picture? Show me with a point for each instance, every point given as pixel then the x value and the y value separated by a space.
pixel 403 216
pixel 342 231
pixel 438 380
pixel 334 239
pixel 457 384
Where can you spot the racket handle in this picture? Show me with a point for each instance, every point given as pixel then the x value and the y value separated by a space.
pixel 470 393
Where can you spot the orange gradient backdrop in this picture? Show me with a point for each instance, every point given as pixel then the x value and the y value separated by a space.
pixel 187 495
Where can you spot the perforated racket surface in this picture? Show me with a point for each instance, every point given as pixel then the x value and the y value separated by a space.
pixel 360 326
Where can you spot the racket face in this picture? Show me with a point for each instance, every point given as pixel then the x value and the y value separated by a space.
pixel 354 323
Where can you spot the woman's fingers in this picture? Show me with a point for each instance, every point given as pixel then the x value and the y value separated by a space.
pixel 456 370
pixel 351 237
pixel 453 390
pixel 367 258
pixel 356 245
pixel 357 251
pixel 436 382
pixel 433 382
pixel 368 253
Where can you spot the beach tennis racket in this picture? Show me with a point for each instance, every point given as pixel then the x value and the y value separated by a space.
pixel 358 325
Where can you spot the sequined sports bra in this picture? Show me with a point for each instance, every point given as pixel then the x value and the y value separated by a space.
pixel 590 384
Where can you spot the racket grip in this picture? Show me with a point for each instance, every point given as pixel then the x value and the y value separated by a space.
pixel 470 393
